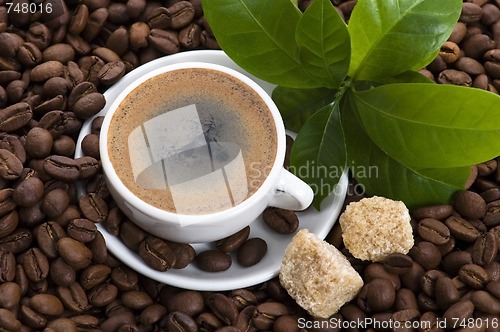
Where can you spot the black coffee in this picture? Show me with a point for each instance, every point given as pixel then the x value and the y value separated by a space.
pixel 193 141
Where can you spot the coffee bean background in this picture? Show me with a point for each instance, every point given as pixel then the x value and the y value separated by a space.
pixel 55 271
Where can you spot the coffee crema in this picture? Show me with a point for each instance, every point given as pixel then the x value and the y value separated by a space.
pixel 192 141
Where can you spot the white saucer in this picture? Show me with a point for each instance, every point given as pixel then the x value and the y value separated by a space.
pixel 237 276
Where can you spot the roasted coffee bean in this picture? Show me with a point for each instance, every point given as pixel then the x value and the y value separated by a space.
pixel 39 142
pixel 380 295
pixel 377 270
pixel 139 32
pixel 17 242
pixel 426 254
pixel 491 195
pixel 188 302
pixel 29 55
pixel 462 229
pixel 433 230
pixel 15 91
pixel 9 223
pixel 152 314
pixel 89 166
pixel 469 204
pixel 15 117
pixel 473 275
pixel 55 202
pixel 28 192
pixel 56 86
pixel 74 253
pixel 208 321
pixel 8 321
pixel 252 251
pixel 79 19
pixel 477 45
pixel 95 23
pixel 485 249
pixel 102 294
pixel 233 242
pixel 61 273
pixel 411 279
pixel 213 261
pixel 10 166
pixel 61 324
pixel 492 217
pixel 90 66
pixel 111 72
pixel 165 41
pixel 48 235
pixel 156 253
pixel 182 13
pixel 13 144
pixel 131 235
pixel 266 314
pixel 10 295
pixel 190 36
pixel 98 248
pixel 90 104
pixel 179 321
pixel 243 321
pixel 49 105
pixel 281 220
pixel 184 254
pixel 62 168
pixel 397 263
pixel 470 13
pixel 125 278
pixel 455 77
pixel 455 260
pixel 10 44
pixel 7 266
pixel 46 304
pixel 46 70
pixel 486 302
pixel 460 311
pixel 118 41
pixel 79 91
pixel 80 46
pixel 7 76
pixel 65 146
pixel 159 18
pixel 105 54
pixel 7 203
pixel 405 299
pixel 136 300
pixel 449 52
pixel 32 318
pixel 446 293
pixel 222 307
pixel 90 146
pixel 93 207
pixel 82 230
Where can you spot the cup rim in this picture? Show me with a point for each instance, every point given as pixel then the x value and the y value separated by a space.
pixel 210 218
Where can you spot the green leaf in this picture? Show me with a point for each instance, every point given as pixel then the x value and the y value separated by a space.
pixel 381 175
pixel 389 37
pixel 297 105
pixel 324 44
pixel 318 153
pixel 432 125
pixel 260 37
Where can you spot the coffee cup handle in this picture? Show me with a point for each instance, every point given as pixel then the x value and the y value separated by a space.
pixel 291 193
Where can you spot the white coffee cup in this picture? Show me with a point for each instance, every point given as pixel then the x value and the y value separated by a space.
pixel 280 188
